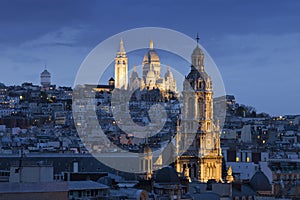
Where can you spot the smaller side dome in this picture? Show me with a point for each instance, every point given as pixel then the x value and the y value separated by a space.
pixel 111 81
pixel 169 73
pixel 167 175
pixel 134 73
pixel 197 51
pixel 260 182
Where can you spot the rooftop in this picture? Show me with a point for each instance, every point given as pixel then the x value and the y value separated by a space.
pixel 85 185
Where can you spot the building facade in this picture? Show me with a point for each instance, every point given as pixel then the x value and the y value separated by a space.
pixel 151 72
pixel 45 80
pixel 203 159
pixel 201 135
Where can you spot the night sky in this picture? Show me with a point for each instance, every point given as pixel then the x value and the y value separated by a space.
pixel 255 44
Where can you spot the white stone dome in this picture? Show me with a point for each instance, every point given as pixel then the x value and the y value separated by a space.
pixel 151 74
pixel 45 73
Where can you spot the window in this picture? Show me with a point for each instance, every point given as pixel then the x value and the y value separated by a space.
pixel 191 108
pixel 146 165
pixel 142 165
pixel 199 84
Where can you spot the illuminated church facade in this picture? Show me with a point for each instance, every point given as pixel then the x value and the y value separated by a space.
pixel 202 160
pixel 151 72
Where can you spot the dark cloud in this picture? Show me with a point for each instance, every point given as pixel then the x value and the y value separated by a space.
pixel 254 37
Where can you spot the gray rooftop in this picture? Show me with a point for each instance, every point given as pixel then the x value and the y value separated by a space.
pixel 85 185
pixel 50 186
pixel 33 187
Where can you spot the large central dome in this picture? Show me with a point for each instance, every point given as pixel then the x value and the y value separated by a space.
pixel 45 73
pixel 151 56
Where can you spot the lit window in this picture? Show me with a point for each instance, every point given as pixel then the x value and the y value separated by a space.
pixel 237 159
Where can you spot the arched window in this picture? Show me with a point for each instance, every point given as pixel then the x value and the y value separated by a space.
pixel 200 84
pixel 124 62
pixel 118 62
pixel 208 125
pixel 195 170
pixel 200 108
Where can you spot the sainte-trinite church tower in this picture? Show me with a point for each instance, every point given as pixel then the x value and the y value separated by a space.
pixel 202 160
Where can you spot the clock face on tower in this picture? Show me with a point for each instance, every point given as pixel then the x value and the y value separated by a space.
pixel 209 144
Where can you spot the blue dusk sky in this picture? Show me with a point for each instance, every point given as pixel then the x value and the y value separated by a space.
pixel 255 44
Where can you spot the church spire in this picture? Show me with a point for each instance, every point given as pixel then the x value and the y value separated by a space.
pixel 121 67
pixel 121 47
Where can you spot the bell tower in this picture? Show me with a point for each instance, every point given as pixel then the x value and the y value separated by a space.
pixel 203 160
pixel 121 68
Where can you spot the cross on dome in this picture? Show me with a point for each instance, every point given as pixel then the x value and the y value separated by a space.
pixel 197 38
